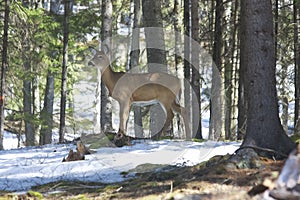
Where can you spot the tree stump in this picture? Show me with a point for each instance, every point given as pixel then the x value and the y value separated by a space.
pixel 82 150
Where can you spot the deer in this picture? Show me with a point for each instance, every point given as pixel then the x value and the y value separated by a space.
pixel 140 88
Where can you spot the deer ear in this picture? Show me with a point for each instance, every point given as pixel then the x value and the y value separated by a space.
pixel 92 50
pixel 105 49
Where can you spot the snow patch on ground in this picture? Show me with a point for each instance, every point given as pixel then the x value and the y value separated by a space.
pixel 23 168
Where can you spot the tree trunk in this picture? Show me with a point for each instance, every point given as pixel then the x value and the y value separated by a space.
pixel 156 55
pixel 106 33
pixel 216 127
pixel 187 58
pixel 232 78
pixel 4 64
pixel 27 108
pixel 242 100
pixel 154 36
pixel 134 62
pixel 63 98
pixel 258 57
pixel 230 74
pixel 178 48
pixel 36 105
pixel 283 72
pixel 47 111
pixel 228 99
pixel 55 6
pixel 296 16
pixel 97 104
pixel 276 23
pixel 242 104
pixel 27 96
pixel 196 98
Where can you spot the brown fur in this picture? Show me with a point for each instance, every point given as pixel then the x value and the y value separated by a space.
pixel 128 88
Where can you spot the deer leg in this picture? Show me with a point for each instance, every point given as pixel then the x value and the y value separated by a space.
pixel 119 139
pixel 124 112
pixel 170 116
pixel 183 112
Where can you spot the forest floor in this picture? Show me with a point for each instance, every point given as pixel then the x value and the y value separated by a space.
pixel 214 179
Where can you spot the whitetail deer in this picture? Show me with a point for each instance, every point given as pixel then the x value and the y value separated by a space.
pixel 129 88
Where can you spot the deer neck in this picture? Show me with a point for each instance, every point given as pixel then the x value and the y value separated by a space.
pixel 110 78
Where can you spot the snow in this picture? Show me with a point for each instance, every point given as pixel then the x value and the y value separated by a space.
pixel 23 168
pixel 9 140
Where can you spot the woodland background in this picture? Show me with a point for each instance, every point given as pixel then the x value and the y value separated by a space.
pixel 43 50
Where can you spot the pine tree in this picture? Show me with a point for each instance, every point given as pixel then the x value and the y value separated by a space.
pixel 258 58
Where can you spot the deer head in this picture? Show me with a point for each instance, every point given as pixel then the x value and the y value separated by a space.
pixel 99 59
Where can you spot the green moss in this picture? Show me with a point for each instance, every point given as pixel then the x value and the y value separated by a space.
pixel 81 197
pixel 198 140
pixel 296 138
pixel 35 194
pixel 104 142
pixel 147 167
pixel 124 173
pixel 111 187
pixel 177 182
pixel 96 141
pixel 166 137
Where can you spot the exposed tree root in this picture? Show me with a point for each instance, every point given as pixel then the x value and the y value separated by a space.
pixel 263 149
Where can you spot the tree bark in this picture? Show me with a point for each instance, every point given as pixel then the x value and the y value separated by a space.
pixel 242 105
pixel 27 94
pixel 187 58
pixel 134 62
pixel 296 16
pixel 63 98
pixel 106 33
pixel 27 107
pixel 47 111
pixel 178 48
pixel 283 72
pixel 156 55
pixel 196 98
pixel 242 98
pixel 4 64
pixel 154 36
pixel 216 127
pixel 97 104
pixel 258 58
pixel 230 74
